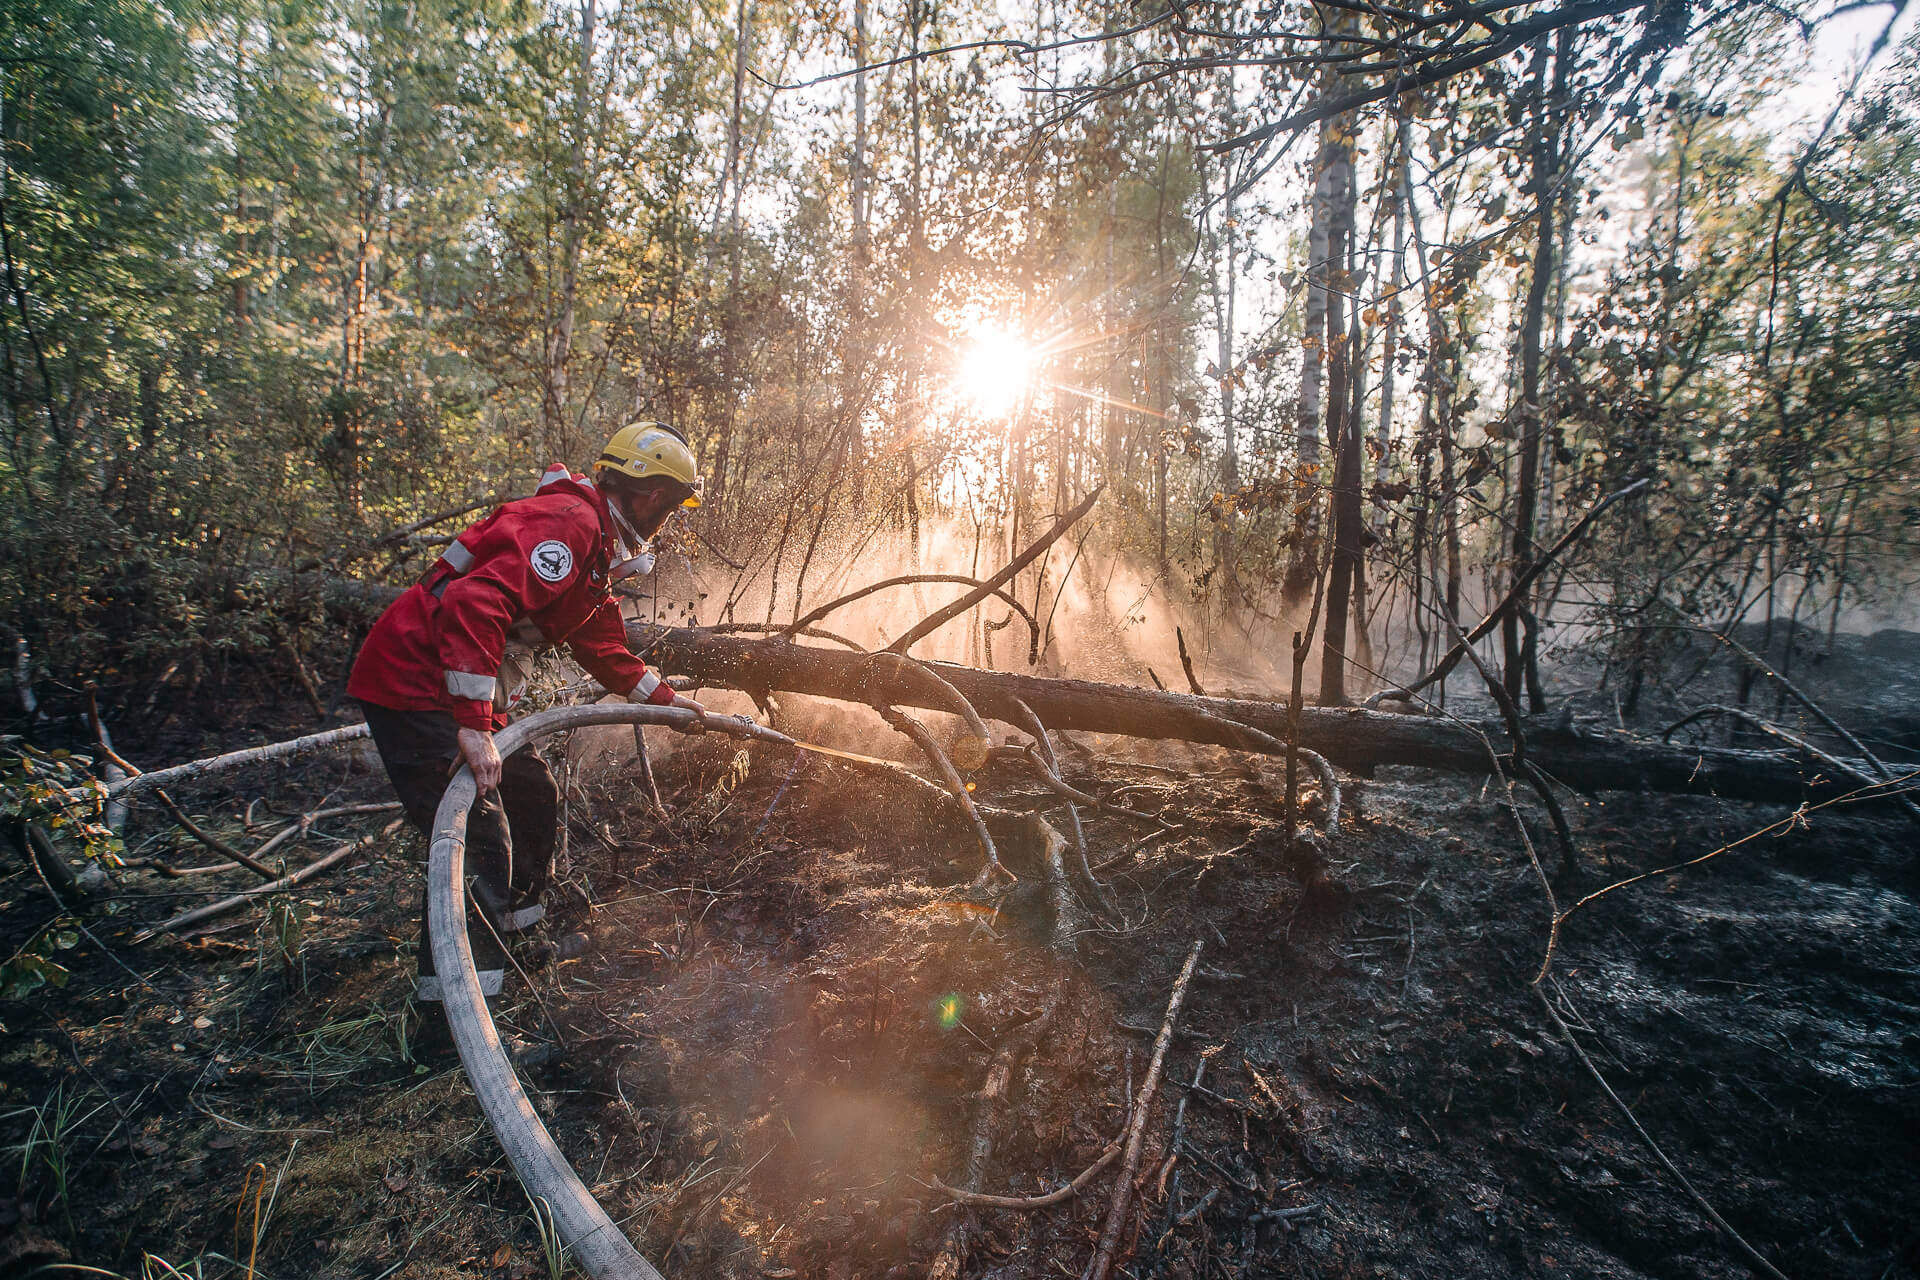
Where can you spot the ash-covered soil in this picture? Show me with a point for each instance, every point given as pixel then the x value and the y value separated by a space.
pixel 796 1017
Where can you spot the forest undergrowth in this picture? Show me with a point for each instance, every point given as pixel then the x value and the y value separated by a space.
pixel 795 1023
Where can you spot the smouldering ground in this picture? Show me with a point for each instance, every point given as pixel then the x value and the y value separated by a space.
pixel 780 1037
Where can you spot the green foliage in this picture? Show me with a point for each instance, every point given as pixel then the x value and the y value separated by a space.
pixel 1754 351
pixel 33 966
pixel 50 1140
pixel 283 278
pixel 553 1252
pixel 54 791
pixel 282 935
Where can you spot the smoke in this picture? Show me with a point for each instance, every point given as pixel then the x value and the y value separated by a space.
pixel 1090 611
pixel 1100 613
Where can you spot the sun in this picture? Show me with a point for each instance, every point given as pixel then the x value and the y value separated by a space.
pixel 994 369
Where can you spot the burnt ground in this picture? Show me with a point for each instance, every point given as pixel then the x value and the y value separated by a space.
pixel 780 1037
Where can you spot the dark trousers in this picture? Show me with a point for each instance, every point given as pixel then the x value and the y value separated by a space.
pixel 510 830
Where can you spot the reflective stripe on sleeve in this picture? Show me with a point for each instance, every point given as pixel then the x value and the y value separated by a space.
pixel 458 558
pixel 466 684
pixel 648 683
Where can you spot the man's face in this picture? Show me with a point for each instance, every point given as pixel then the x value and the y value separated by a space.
pixel 648 510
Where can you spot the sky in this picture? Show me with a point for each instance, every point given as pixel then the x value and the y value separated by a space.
pixel 1838 45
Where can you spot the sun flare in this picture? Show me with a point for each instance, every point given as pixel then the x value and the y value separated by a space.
pixel 994 370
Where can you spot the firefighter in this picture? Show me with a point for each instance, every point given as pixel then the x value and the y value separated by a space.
pixel 445 662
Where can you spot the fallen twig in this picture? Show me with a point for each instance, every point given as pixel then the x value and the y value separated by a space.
pixel 1566 1033
pixel 948 1260
pixel 981 1200
pixel 219 846
pixel 1179 1127
pixel 1200 1207
pixel 1285 1215
pixel 187 919
pixel 1073 794
pixel 300 827
pixel 1136 1131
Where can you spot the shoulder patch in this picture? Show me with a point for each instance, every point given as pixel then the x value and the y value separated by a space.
pixel 552 560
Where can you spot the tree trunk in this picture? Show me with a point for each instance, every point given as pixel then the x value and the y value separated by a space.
pixel 1522 656
pixel 857 171
pixel 1343 423
pixel 1350 737
pixel 1390 316
pixel 1304 560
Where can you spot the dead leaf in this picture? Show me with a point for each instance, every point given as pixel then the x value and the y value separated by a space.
pixel 398 1182
pixel 502 1256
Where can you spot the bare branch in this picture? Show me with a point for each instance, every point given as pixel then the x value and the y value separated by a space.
pixel 1512 37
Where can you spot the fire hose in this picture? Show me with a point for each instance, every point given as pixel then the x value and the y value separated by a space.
pixel 595 1242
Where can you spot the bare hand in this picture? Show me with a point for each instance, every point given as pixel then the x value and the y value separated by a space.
pixel 477 749
pixel 685 703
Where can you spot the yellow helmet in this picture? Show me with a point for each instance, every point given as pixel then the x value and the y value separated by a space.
pixel 642 449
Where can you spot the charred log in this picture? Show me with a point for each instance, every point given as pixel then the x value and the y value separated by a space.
pixel 1351 737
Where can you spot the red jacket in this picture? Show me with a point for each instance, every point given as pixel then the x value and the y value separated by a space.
pixel 543 559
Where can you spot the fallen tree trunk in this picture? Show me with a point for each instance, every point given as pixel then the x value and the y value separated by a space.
pixel 1351 737
pixel 194 770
